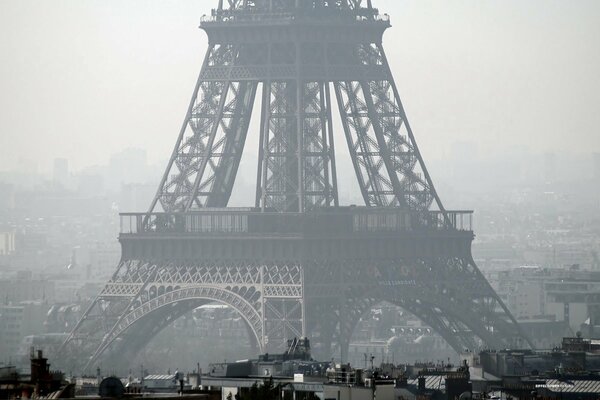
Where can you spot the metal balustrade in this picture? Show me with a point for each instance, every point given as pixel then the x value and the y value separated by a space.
pixel 254 221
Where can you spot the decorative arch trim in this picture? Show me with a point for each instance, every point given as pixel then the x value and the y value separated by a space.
pixel 211 293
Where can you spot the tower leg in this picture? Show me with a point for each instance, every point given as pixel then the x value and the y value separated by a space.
pixel 387 160
pixel 203 165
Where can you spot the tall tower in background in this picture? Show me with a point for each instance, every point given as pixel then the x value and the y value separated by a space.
pixel 294 262
pixel 60 172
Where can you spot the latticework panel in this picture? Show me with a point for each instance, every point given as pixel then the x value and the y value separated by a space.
pixel 448 293
pixel 296 171
pixel 268 297
pixel 206 157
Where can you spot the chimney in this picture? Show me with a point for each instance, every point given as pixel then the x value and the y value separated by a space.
pixel 421 384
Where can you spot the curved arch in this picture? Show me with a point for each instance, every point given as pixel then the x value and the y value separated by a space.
pixel 451 291
pixel 211 293
pixel 130 343
pixel 421 311
pixel 463 315
pixel 456 313
pixel 436 313
pixel 343 321
pixel 428 316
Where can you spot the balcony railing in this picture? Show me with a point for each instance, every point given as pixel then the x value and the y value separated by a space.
pixel 323 16
pixel 349 220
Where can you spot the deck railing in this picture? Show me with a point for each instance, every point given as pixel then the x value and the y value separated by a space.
pixel 324 16
pixel 253 221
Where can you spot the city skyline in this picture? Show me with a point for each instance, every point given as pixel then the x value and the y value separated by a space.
pixel 482 240
pixel 104 76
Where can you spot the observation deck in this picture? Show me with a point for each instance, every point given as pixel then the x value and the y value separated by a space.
pixel 304 25
pixel 315 17
pixel 251 221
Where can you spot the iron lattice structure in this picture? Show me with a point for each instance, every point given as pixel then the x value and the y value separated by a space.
pixel 296 263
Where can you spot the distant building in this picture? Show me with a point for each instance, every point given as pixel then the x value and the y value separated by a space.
pixel 60 172
pixel 30 242
pixel 61 317
pixel 298 376
pixel 90 184
pixel 545 333
pixel 50 342
pixel 127 166
pixel 18 321
pixel 524 297
pixel 25 288
pixel 406 344
pixel 535 293
pixel 567 372
pixel 167 383
pixel 135 197
pixel 103 260
pixel 7 243
pixel 550 168
pixel 575 355
pixel 7 198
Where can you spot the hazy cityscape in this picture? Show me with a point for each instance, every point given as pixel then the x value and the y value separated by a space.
pixel 497 144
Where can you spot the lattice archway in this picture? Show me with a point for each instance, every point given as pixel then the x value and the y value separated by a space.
pixel 187 294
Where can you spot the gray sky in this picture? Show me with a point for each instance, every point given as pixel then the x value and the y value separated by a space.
pixel 82 79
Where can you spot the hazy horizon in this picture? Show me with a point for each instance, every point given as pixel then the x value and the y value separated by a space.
pixel 85 79
pixel 104 269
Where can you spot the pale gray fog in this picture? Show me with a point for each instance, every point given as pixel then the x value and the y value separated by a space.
pixel 120 254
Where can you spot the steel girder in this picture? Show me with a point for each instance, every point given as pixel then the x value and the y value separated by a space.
pixel 296 171
pixel 177 296
pixel 387 160
pixel 128 346
pixel 447 292
pixel 375 182
pixel 296 65
pixel 296 156
pixel 458 304
pixel 202 168
pixel 268 297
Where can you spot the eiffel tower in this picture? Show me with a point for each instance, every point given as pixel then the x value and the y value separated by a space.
pixel 295 263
